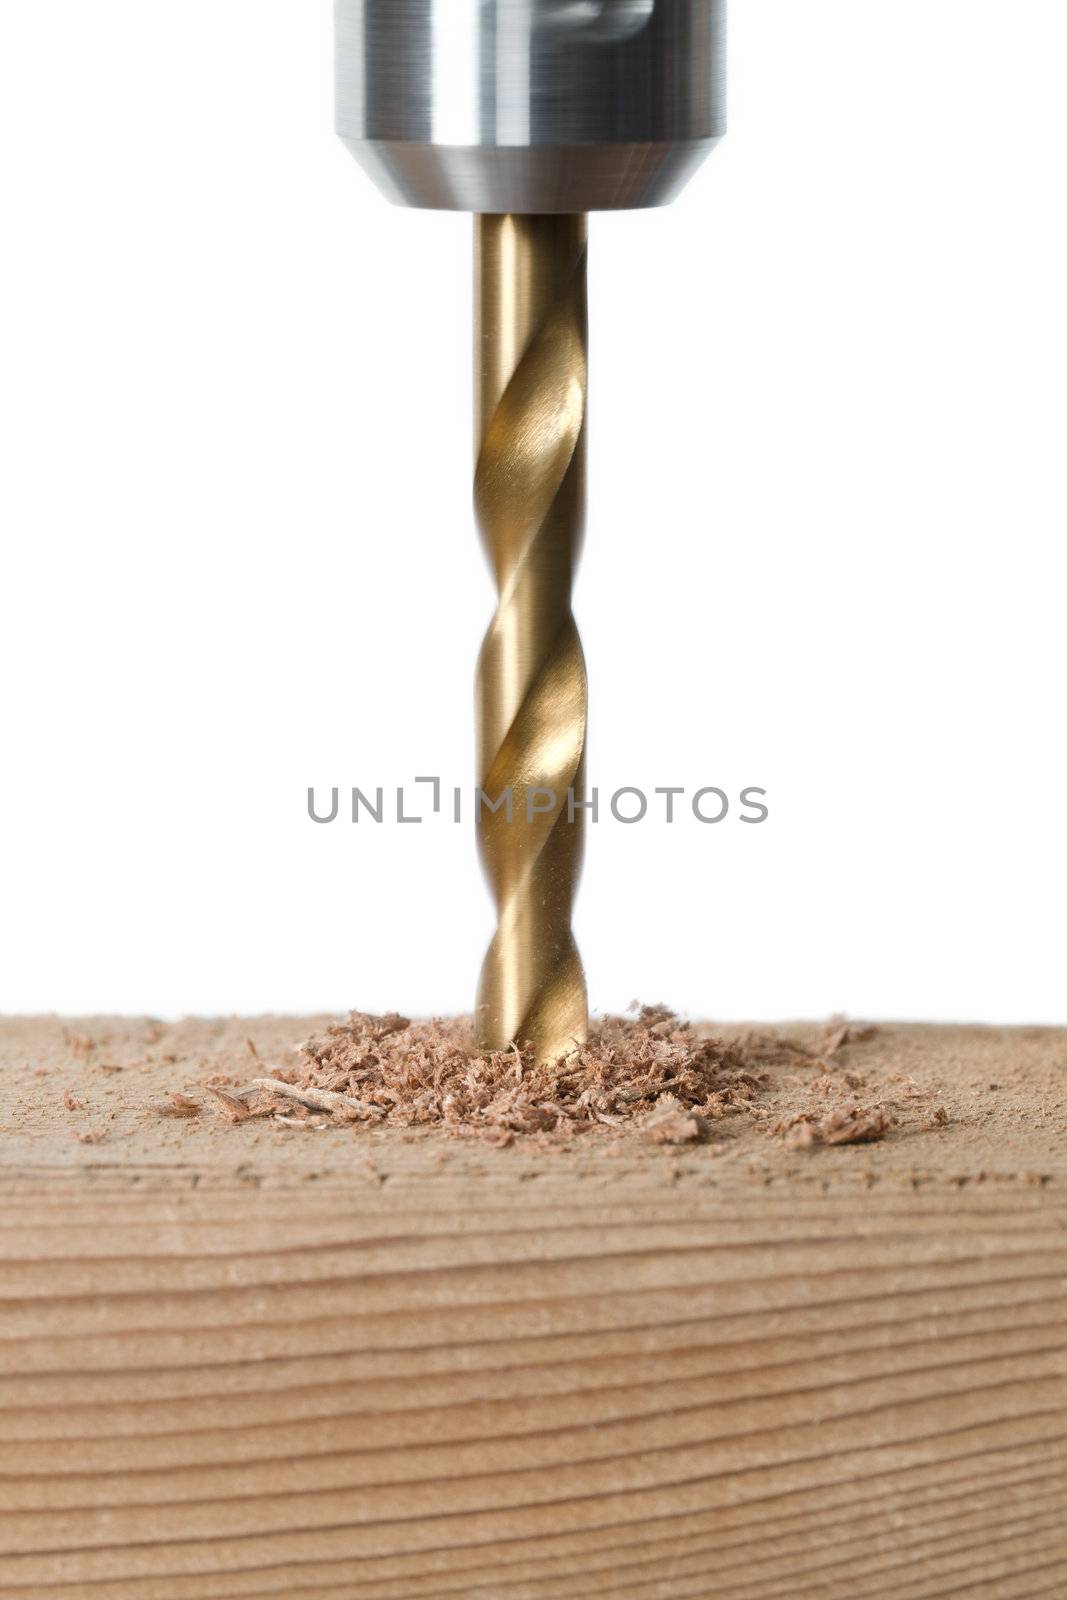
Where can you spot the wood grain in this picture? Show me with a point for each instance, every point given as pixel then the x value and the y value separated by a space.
pixel 327 1369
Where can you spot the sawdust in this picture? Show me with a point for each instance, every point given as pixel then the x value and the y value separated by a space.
pixel 652 1074
pixel 653 1070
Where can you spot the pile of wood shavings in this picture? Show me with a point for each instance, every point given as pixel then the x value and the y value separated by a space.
pixel 652 1069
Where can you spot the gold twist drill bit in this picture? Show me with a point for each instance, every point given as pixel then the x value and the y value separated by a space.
pixel 531 360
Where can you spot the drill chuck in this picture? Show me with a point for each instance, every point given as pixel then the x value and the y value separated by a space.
pixel 531 106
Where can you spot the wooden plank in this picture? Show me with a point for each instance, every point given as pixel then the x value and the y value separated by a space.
pixel 341 1366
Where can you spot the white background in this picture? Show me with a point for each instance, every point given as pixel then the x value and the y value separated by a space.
pixel 825 550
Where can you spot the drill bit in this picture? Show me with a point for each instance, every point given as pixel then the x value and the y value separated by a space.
pixel 530 346
pixel 529 114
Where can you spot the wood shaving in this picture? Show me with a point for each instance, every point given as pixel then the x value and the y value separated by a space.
pixel 839 1032
pixel 848 1125
pixel 319 1099
pixel 231 1106
pixel 672 1125
pixel 835 1034
pixel 71 1101
pixel 177 1105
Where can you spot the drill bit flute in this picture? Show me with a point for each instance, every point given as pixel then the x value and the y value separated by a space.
pixel 529 489
pixel 529 114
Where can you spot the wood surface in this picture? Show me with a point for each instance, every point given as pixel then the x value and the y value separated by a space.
pixel 237 1362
